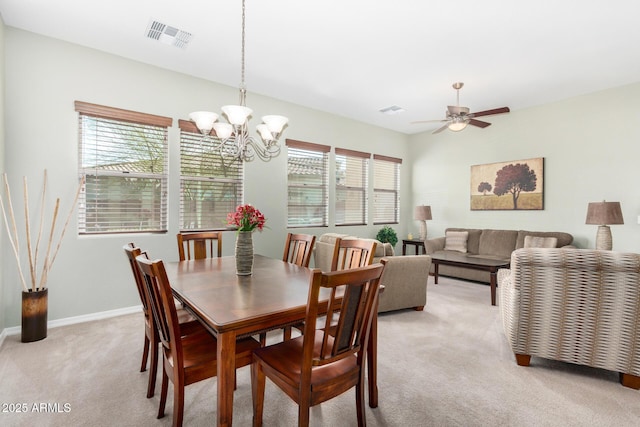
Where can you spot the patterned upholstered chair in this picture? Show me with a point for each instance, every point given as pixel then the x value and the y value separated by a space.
pixel 573 305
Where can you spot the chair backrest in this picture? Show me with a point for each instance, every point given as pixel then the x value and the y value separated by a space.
pixel 298 249
pixel 195 245
pixel 352 253
pixel 162 305
pixel 132 252
pixel 353 296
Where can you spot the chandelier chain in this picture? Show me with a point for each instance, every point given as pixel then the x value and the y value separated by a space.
pixel 243 86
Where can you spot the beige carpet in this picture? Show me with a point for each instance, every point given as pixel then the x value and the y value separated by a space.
pixel 447 366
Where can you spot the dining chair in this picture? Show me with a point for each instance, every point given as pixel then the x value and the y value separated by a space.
pixel 348 254
pixel 187 359
pixel 328 360
pixel 188 323
pixel 298 249
pixel 199 245
pixel 353 253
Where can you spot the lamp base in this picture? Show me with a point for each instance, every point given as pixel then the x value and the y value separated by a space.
pixel 423 230
pixel 603 238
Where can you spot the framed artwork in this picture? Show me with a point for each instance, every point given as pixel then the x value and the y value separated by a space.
pixel 515 185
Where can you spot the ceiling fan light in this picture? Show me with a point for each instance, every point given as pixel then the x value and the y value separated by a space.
pixel 237 114
pixel 223 130
pixel 457 126
pixel 275 123
pixel 204 120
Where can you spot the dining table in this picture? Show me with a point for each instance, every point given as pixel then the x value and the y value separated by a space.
pixel 231 306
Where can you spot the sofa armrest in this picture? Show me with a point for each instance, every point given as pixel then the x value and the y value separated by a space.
pixel 405 282
pixel 433 245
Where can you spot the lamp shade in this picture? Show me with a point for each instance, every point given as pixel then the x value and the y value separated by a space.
pixel 204 120
pixel 422 213
pixel 237 114
pixel 603 213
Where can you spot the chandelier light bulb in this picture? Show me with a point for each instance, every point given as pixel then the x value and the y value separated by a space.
pixel 204 120
pixel 223 130
pixel 275 123
pixel 237 114
pixel 264 132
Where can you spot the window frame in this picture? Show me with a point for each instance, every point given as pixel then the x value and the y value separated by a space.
pixel 111 118
pixel 188 134
pixel 363 210
pixel 319 152
pixel 377 191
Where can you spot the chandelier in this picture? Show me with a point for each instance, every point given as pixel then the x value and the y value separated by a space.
pixel 233 138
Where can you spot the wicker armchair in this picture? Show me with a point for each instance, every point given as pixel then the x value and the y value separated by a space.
pixel 576 306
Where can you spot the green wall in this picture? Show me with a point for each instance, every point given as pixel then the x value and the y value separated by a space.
pixel 590 146
pixel 45 76
pixel 591 149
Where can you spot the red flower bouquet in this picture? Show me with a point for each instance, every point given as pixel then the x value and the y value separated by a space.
pixel 246 218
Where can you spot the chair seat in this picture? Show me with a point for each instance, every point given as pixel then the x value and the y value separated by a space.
pixel 285 358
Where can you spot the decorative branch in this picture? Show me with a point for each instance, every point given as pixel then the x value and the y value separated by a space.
pixel 47 265
pixel 13 245
pixel 64 228
pixel 32 267
pixel 42 203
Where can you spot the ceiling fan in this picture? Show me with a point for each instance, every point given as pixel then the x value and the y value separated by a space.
pixel 459 117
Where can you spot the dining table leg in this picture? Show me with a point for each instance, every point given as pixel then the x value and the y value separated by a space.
pixel 372 361
pixel 226 376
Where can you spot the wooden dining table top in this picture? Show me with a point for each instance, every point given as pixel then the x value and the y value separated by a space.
pixel 275 294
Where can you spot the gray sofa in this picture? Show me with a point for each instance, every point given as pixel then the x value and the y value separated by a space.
pixel 404 277
pixel 490 244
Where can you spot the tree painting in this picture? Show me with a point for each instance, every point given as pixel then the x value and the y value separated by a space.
pixel 513 185
pixel 484 187
pixel 515 179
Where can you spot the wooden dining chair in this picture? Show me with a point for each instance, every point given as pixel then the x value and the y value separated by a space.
pixel 298 249
pixel 348 254
pixel 186 358
pixel 199 245
pixel 150 348
pixel 352 253
pixel 327 361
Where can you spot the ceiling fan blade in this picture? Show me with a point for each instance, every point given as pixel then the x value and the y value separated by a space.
pixel 490 112
pixel 428 121
pixel 479 123
pixel 440 129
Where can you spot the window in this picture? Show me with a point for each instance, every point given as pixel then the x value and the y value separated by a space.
pixel 307 184
pixel 123 158
pixel 386 189
pixel 210 185
pixel 351 187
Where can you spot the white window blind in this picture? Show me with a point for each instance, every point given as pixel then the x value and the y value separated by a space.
pixel 307 184
pixel 352 174
pixel 210 185
pixel 123 158
pixel 386 189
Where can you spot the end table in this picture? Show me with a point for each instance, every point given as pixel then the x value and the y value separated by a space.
pixel 419 244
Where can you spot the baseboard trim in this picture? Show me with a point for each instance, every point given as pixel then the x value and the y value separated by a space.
pixel 15 330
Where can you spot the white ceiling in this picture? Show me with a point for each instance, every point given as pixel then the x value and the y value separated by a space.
pixel 354 57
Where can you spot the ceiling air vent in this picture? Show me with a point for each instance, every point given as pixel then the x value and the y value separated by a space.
pixel 167 34
pixel 393 109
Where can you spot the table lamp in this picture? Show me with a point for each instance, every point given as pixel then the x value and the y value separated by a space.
pixel 601 214
pixel 423 214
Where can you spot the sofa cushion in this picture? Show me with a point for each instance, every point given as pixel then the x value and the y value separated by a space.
pixel 473 242
pixel 456 241
pixel 564 239
pixel 540 242
pixel 498 242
